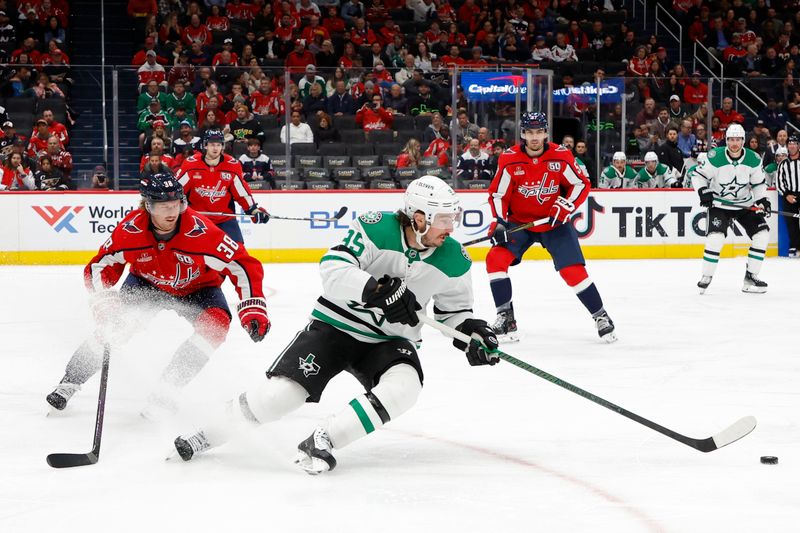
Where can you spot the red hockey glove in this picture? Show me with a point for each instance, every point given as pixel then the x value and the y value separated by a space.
pixel 254 319
pixel 106 307
pixel 258 215
pixel 498 231
pixel 560 211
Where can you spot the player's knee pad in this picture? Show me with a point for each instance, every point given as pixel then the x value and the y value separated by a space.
pixel 714 241
pixel 212 325
pixel 576 277
pixel 761 240
pixel 499 259
pixel 272 399
pixel 397 390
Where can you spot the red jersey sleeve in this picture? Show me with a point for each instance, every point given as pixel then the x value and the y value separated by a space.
pixel 231 259
pixel 105 268
pixel 240 190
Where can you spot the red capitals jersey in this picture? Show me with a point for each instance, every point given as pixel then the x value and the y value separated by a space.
pixel 215 188
pixel 199 255
pixel 525 187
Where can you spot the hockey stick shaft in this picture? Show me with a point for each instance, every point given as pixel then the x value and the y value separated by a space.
pixel 514 230
pixel 753 208
pixel 339 214
pixel 66 460
pixel 733 433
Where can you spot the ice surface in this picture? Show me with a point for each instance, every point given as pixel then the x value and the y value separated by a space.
pixel 485 449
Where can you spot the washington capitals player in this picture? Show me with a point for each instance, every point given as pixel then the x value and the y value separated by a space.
pixel 534 180
pixel 366 323
pixel 178 260
pixel 213 180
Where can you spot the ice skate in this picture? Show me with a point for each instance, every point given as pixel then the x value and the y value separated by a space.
pixel 605 327
pixel 793 253
pixel 314 454
pixel 187 446
pixel 753 284
pixel 60 396
pixel 703 284
pixel 505 326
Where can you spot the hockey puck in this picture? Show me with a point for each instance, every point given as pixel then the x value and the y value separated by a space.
pixel 769 460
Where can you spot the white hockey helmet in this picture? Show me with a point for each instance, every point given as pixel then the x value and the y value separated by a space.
pixel 650 156
pixel 782 150
pixel 619 156
pixel 734 131
pixel 436 199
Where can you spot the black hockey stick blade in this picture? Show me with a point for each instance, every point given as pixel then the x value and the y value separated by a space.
pixel 728 435
pixel 68 460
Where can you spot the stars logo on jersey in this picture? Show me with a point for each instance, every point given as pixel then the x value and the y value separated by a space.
pixel 539 190
pixel 131 227
pixel 731 188
pixel 308 366
pixel 404 351
pixel 371 217
pixel 198 229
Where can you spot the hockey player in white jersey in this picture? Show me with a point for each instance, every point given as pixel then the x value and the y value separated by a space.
pixel 731 185
pixel 653 175
pixel 388 266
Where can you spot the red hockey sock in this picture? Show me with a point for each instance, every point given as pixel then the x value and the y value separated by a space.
pixel 213 324
pixel 576 277
pixel 498 260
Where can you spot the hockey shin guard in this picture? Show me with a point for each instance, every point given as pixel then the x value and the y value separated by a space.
pixel 396 392
pixel 210 329
pixel 758 249
pixel 714 242
pixel 576 277
pixel 497 262
pixel 85 362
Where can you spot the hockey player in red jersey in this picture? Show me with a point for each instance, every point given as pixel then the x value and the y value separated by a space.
pixel 178 260
pixel 534 180
pixel 213 180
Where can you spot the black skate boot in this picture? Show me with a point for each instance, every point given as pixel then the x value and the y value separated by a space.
pixel 505 327
pixel 753 284
pixel 314 454
pixel 60 396
pixel 188 446
pixel 605 327
pixel 703 284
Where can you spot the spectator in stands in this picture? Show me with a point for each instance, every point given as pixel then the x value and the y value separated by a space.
pixel 256 167
pixel 198 56
pixel 157 148
pixel 645 141
pixel 245 126
pixel 541 52
pixel 465 130
pixel 140 57
pixel 494 157
pixel 153 163
pixel 169 34
pixel 727 114
pixel 211 92
pixel 582 155
pixel 341 102
pixel 315 102
pixel 410 155
pixel 440 147
pixel 196 32
pixel 659 127
pixel 299 58
pixel 761 133
pixel 180 97
pixel 299 132
pixel 473 164
pixel 701 141
pixel 151 70
pixel 44 88
pixel 310 78
pixel 182 71
pixel 668 152
pixel 686 139
pixel 752 143
pixel 425 103
pixel 216 20
pixel 774 117
pixel 514 50
pixel 434 129
pixel 213 119
pixel 186 139
pixel 648 115
pixel 14 175
pixel 19 81
pixel 37 145
pixel 150 115
pixel 425 10
pixel 151 90
pixel 56 128
pixel 639 64
pixel 326 132
pixel 695 92
pixel 373 116
pixel 49 178
pixel 8 36
pixel 62 159
pixel 406 73
pixel 675 110
pixel 396 102
pixel 9 138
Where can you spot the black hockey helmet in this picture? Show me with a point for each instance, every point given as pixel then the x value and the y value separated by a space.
pixel 213 136
pixel 533 120
pixel 161 187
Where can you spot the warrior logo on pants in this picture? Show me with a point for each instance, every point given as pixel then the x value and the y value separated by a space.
pixel 308 366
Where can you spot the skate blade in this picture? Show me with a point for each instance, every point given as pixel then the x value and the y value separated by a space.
pixel 508 338
pixel 311 465
pixel 754 290
pixel 610 337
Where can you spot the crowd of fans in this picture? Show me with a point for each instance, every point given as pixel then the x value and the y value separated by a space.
pixel 35 84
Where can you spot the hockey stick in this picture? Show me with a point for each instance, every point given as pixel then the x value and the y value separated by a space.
pixel 771 211
pixel 339 214
pixel 514 230
pixel 67 460
pixel 731 434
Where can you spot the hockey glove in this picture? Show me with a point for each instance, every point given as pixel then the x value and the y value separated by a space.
pixel 392 296
pixel 258 215
pixel 677 184
pixel 498 231
pixel 108 311
pixel 560 211
pixel 762 207
pixel 706 197
pixel 254 319
pixel 481 350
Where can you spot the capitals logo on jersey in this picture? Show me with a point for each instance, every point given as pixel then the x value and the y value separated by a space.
pixel 198 229
pixel 131 227
pixel 539 190
pixel 183 277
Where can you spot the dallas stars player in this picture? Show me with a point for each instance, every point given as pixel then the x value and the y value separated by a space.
pixel 387 267
pixel 731 185
pixel 702 157
pixel 771 170
pixel 617 173
pixel 652 175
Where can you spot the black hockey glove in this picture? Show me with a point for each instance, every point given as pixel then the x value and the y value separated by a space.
pixel 677 184
pixel 483 338
pixel 763 207
pixel 498 231
pixel 706 197
pixel 392 296
pixel 258 215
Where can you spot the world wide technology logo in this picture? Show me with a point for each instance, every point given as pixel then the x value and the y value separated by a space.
pixel 59 218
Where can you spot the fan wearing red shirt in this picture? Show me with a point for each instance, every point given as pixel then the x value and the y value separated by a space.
pixel 361 35
pixel 178 260
pixel 196 32
pixel 298 59
pixel 728 114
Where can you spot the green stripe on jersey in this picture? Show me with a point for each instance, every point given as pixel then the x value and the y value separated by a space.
pixel 751 256
pixel 710 259
pixel 362 416
pixel 334 258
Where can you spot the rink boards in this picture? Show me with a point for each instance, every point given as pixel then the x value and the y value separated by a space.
pixel 68 228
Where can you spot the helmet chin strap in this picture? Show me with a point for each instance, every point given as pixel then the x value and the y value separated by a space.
pixel 418 235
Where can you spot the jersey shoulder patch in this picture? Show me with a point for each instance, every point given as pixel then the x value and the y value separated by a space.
pixel 371 217
pixel 451 259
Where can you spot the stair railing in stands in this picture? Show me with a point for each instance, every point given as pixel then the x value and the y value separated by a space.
pixel 678 38
pixel 713 59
